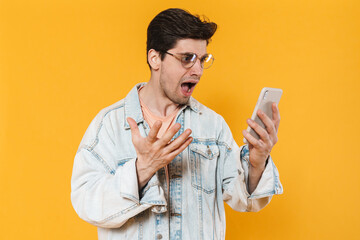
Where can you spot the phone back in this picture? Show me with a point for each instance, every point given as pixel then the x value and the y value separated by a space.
pixel 265 100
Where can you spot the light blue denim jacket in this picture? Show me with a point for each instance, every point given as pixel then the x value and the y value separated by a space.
pixel 211 170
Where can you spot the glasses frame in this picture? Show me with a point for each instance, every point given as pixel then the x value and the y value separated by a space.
pixel 193 61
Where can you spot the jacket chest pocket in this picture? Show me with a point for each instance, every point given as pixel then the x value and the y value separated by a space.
pixel 203 160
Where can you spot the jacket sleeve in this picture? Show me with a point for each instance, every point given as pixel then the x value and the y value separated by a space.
pixel 103 192
pixel 235 177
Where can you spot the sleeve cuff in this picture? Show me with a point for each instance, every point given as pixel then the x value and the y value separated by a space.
pixel 152 193
pixel 129 183
pixel 269 183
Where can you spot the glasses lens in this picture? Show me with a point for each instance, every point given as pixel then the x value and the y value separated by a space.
pixel 188 60
pixel 207 61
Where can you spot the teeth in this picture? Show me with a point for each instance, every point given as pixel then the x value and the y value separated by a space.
pixel 188 90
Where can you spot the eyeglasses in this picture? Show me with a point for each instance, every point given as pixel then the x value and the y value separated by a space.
pixel 189 59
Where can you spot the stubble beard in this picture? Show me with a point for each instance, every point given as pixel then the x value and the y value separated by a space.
pixel 173 96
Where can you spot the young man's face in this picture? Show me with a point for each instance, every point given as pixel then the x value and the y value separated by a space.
pixel 176 81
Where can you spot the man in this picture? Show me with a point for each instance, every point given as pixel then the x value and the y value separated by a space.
pixel 158 164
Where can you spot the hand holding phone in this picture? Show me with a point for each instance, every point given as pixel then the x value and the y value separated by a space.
pixel 264 103
pixel 266 123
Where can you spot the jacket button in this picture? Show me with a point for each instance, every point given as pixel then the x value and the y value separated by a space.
pixel 208 150
pixel 159 236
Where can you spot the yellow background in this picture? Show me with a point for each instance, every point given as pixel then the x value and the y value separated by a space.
pixel 62 61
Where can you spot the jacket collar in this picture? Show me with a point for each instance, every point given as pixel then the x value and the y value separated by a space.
pixel 133 108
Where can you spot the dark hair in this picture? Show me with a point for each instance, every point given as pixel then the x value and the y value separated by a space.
pixel 174 24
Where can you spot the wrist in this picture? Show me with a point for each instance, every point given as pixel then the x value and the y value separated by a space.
pixel 258 166
pixel 144 173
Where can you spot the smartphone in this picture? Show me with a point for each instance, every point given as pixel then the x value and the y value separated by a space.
pixel 264 103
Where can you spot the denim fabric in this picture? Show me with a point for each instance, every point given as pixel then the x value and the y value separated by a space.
pixel 213 169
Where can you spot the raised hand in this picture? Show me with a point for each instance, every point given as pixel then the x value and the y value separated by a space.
pixel 154 153
pixel 259 150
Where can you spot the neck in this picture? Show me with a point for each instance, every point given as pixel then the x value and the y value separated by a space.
pixel 156 100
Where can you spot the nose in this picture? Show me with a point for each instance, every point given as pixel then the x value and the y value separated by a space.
pixel 196 69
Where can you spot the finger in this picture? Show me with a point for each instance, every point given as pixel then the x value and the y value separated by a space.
pixel 259 130
pixel 251 139
pixel 135 133
pixel 152 137
pixel 133 127
pixel 178 150
pixel 169 134
pixel 269 124
pixel 178 141
pixel 276 116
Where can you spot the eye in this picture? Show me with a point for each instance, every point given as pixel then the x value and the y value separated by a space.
pixel 205 58
pixel 188 57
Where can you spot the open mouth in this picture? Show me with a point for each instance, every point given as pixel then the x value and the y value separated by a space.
pixel 187 87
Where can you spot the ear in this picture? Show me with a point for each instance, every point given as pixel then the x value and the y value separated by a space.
pixel 154 59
